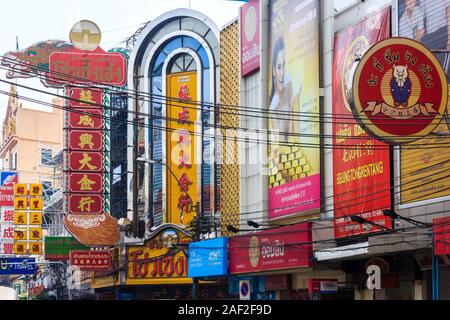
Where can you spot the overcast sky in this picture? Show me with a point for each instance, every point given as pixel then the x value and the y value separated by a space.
pixel 38 20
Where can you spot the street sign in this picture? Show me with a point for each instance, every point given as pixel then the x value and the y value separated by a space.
pixel 9 266
pixel 244 290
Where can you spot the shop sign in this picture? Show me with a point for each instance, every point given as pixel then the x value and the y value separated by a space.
pixel 280 248
pixel 208 258
pixel 399 91
pixel 250 38
pixel 9 266
pixel 82 118
pixel 87 68
pixel 86 182
pixel 8 179
pixel 87 260
pixel 162 259
pixel 86 140
pixel 58 248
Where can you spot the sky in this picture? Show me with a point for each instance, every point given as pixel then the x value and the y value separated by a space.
pixel 34 21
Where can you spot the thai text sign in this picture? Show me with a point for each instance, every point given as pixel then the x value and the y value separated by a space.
pixel 87 68
pixel 281 248
pixel 161 260
pixel 250 38
pixel 87 260
pixel 399 90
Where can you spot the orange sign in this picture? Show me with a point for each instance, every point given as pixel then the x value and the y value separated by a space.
pixel 20 247
pixel 20 217
pixel 35 218
pixel 181 149
pixel 36 203
pixel 20 203
pixel 35 189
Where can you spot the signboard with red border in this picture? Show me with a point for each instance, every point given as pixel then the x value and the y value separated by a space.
pixel 91 260
pixel 86 140
pixel 250 37
pixel 399 91
pixel 85 98
pixel 86 119
pixel 85 204
pixel 86 161
pixel 86 182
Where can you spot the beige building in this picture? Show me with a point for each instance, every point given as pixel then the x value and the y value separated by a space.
pixel 30 139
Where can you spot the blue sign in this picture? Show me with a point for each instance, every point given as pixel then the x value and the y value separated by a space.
pixel 4 175
pixel 10 266
pixel 208 258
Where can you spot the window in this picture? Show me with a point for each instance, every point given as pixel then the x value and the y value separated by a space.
pixel 14 161
pixel 46 157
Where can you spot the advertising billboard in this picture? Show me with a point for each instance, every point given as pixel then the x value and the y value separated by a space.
pixel 58 248
pixel 422 169
pixel 208 258
pixel 276 249
pixel 293 150
pixel 353 148
pixel 249 15
pixel 9 266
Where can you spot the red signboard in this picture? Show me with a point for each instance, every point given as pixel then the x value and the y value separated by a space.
pixel 86 203
pixel 7 190
pixel 250 39
pixel 86 182
pixel 85 98
pixel 86 118
pixel 361 164
pixel 91 260
pixel 86 140
pixel 86 161
pixel 87 68
pixel 280 248
pixel 441 230
pixel 399 91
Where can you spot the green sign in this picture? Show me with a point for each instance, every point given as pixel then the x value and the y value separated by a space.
pixel 58 248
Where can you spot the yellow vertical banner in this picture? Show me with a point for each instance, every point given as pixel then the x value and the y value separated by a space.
pixel 181 117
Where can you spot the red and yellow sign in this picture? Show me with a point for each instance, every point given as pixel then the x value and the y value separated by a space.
pixel 86 161
pixel 86 140
pixel 399 91
pixel 35 189
pixel 181 148
pixel 86 119
pixel 20 247
pixel 20 189
pixel 86 204
pixel 161 260
pixel 86 182
pixel 20 217
pixel 20 203
pixel 35 248
pixel 35 218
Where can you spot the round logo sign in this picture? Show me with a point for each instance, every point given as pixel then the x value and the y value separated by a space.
pixel 399 91
pixel 85 35
pixel 250 23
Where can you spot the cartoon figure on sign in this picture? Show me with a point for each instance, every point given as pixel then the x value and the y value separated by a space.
pixel 400 85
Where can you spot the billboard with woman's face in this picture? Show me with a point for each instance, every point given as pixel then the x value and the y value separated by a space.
pixel 294 154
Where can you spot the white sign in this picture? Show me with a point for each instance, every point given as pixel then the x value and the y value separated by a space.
pixel 374 279
pixel 328 287
pixel 244 289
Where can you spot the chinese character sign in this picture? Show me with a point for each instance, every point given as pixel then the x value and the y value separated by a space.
pixel 181 151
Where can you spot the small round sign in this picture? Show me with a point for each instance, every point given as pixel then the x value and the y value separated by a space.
pixel 85 35
pixel 399 91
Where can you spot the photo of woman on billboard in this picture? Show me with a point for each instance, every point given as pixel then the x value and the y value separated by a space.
pixel 282 99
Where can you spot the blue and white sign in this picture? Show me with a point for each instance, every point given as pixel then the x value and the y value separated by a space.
pixel 208 258
pixel 10 266
pixel 6 176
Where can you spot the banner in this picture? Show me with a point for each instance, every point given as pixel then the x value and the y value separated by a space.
pixel 249 24
pixel 276 249
pixel 294 154
pixel 361 172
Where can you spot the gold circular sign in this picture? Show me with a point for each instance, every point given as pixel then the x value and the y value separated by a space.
pixel 253 251
pixel 85 35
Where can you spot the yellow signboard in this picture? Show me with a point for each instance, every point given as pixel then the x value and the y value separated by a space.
pixel 424 170
pixel 20 247
pixel 20 203
pixel 35 218
pixel 20 217
pixel 36 203
pixel 35 233
pixel 35 189
pixel 181 157
pixel 161 260
pixel 35 248
pixel 20 234
pixel 20 189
